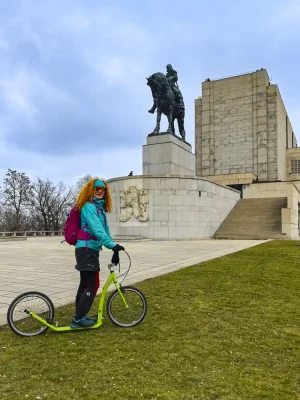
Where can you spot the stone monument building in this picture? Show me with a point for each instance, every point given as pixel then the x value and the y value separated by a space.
pixel 243 182
pixel 244 139
pixel 243 131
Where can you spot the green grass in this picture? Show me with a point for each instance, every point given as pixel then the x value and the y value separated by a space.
pixel 224 329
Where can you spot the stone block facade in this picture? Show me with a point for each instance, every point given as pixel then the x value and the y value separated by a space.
pixel 289 215
pixel 293 164
pixel 166 154
pixel 242 127
pixel 233 179
pixel 177 207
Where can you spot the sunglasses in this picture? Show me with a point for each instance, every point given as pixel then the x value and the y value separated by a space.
pixel 99 189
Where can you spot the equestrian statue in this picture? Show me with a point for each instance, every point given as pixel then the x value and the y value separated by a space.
pixel 167 99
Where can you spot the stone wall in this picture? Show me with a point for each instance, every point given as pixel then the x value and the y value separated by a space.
pixel 293 155
pixel 279 189
pixel 265 190
pixel 274 141
pixel 241 126
pixel 286 137
pixel 281 131
pixel 233 179
pixel 291 140
pixel 178 207
pixel 200 139
pixel 166 154
pixel 290 215
pixel 231 125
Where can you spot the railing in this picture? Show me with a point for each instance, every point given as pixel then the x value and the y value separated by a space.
pixel 32 233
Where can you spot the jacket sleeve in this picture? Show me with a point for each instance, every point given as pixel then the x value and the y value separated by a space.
pixel 108 231
pixel 90 215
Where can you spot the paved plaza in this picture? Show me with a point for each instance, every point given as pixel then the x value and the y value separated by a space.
pixel 46 265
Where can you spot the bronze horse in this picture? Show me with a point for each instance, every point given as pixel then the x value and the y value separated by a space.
pixel 166 103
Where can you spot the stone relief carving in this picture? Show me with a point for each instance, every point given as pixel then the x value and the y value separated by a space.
pixel 134 202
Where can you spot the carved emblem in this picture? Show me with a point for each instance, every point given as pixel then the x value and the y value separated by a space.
pixel 134 201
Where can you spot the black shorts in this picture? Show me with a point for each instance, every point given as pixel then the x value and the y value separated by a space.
pixel 87 259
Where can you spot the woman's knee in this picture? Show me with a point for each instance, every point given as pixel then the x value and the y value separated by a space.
pixel 93 282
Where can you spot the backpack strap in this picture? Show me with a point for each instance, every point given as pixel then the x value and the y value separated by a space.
pixel 84 235
pixel 103 213
pixel 100 209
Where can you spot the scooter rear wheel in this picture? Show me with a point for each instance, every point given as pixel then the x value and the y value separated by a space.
pixel 18 317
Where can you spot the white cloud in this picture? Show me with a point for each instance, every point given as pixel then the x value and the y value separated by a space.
pixel 116 48
pixel 132 37
pixel 23 89
pixel 290 13
pixel 121 72
pixel 3 43
pixel 68 169
pixel 107 26
pixel 113 69
pixel 16 93
pixel 93 60
pixel 284 19
pixel 77 23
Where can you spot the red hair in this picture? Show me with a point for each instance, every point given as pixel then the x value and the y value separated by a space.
pixel 87 193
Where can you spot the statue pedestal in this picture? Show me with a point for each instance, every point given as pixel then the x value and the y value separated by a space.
pixel 166 154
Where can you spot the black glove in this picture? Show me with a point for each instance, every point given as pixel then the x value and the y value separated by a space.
pixel 115 258
pixel 118 248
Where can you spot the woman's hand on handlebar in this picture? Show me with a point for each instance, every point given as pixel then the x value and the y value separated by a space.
pixel 118 248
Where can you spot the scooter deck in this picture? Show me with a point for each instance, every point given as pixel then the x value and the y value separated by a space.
pixel 68 328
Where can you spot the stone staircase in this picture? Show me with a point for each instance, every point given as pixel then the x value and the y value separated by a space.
pixel 254 219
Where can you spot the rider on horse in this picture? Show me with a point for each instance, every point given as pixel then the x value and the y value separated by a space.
pixel 173 79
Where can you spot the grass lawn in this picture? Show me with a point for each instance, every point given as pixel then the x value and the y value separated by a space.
pixel 225 329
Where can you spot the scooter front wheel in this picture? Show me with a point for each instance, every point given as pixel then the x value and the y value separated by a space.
pixel 127 317
pixel 18 317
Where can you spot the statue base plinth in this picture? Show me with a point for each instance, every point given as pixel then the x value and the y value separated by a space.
pixel 167 154
pixel 166 133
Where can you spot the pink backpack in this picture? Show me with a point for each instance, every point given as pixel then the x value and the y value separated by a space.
pixel 72 231
pixel 72 226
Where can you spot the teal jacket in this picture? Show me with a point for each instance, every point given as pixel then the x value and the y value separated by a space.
pixel 96 225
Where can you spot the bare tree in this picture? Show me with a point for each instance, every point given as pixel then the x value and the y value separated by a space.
pixel 7 219
pixel 79 185
pixel 14 195
pixel 60 205
pixel 49 204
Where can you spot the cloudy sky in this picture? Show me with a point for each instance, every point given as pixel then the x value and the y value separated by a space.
pixel 73 93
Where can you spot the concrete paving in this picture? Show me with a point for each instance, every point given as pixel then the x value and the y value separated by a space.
pixel 46 265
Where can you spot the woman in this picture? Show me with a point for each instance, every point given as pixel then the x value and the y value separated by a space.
pixel 93 202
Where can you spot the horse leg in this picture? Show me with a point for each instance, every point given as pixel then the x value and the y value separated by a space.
pixel 179 125
pixel 180 121
pixel 158 118
pixel 183 130
pixel 170 117
pixel 173 120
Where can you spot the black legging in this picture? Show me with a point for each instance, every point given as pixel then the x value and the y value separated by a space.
pixel 87 290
